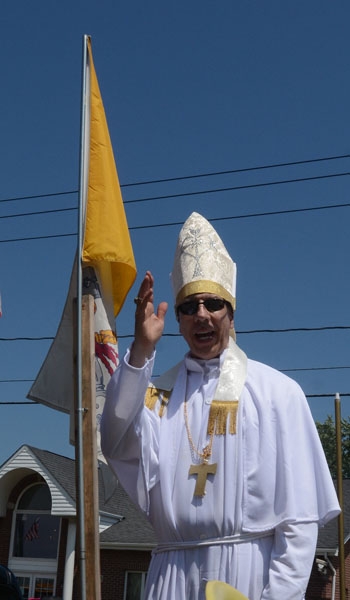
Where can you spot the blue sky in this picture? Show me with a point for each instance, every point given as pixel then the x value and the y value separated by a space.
pixel 189 88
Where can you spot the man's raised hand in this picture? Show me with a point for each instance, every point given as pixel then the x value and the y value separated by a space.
pixel 149 325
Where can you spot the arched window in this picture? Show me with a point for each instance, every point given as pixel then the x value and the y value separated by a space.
pixel 36 530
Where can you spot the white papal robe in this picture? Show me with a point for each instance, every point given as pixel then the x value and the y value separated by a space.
pixel 256 527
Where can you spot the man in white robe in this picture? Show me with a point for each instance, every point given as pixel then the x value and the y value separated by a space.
pixel 221 452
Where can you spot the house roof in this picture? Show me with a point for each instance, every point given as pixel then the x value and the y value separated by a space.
pixel 328 535
pixel 130 526
pixel 24 462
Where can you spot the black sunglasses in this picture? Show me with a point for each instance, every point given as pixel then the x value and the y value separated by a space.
pixel 190 307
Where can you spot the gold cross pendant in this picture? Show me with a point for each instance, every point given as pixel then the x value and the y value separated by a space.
pixel 202 471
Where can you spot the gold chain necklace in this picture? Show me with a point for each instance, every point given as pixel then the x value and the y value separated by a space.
pixel 206 452
pixel 202 470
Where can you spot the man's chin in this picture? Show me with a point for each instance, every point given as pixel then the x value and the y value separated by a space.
pixel 204 353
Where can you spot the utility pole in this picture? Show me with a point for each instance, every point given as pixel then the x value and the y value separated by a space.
pixel 338 434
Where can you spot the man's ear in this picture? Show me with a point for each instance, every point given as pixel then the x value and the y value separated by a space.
pixel 231 313
pixel 232 326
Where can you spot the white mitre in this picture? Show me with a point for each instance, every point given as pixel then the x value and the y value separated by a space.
pixel 202 263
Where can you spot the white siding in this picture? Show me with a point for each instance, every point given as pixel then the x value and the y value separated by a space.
pixel 23 462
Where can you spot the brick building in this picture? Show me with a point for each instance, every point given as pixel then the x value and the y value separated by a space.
pixel 38 529
pixel 38 533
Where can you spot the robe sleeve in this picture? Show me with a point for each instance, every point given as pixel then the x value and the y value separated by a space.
pixel 130 431
pixel 291 561
pixel 286 476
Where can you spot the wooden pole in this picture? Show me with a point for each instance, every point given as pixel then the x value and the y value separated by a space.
pixel 86 462
pixel 91 504
pixel 340 496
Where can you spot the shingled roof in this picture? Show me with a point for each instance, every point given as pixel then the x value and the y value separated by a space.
pixel 328 535
pixel 132 530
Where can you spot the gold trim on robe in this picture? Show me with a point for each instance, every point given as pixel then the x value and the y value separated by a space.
pixel 220 412
pixel 154 394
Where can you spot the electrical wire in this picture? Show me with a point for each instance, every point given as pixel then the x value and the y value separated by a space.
pixel 34 197
pixel 173 335
pixel 238 187
pixel 242 170
pixel 34 402
pixel 295 369
pixel 196 176
pixel 39 212
pixel 179 223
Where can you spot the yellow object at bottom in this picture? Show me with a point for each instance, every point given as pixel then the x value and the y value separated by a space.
pixel 218 590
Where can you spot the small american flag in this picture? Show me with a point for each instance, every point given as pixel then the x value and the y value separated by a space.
pixel 33 532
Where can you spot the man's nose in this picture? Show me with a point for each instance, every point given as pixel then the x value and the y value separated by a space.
pixel 202 312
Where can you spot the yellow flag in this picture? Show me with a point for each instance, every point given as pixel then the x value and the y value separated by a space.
pixel 107 256
pixel 106 244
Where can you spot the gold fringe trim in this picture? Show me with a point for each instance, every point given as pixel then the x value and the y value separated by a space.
pixel 154 394
pixel 220 411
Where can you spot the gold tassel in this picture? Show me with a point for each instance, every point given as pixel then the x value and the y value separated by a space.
pixel 154 394
pixel 220 411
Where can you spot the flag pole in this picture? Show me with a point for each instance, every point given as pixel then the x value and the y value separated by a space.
pixel 86 453
pixel 79 400
pixel 337 407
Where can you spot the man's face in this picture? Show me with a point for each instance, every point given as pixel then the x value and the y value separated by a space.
pixel 206 331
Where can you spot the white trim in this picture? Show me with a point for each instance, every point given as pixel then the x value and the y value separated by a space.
pixel 33 575
pixel 69 562
pixel 143 581
pixel 23 463
pixel 29 565
pixel 106 520
pixel 13 530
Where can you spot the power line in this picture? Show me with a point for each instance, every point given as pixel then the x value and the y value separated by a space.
pixel 249 331
pixel 27 339
pixel 35 403
pixel 238 187
pixel 309 369
pixel 39 212
pixel 17 402
pixel 179 223
pixel 248 216
pixel 33 197
pixel 246 332
pixel 294 329
pixel 39 237
pixel 346 395
pixel 234 171
pixel 16 380
pixel 196 176
pixel 295 369
pixel 136 227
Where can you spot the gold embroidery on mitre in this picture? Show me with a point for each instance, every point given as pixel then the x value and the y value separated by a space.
pixel 220 411
pixel 154 394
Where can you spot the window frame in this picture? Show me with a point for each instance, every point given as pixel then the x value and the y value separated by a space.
pixel 32 581
pixel 33 567
pixel 143 581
